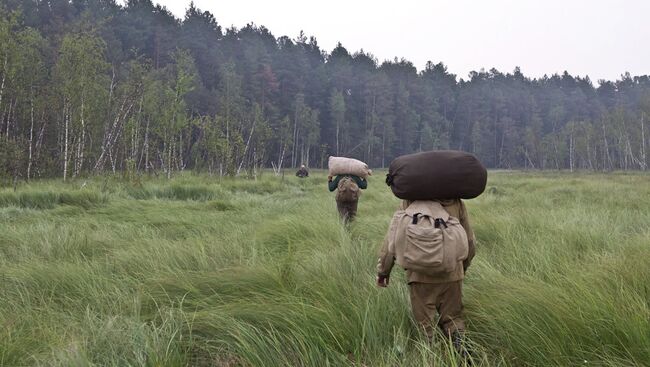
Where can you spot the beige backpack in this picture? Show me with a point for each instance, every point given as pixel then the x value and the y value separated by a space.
pixel 348 190
pixel 427 239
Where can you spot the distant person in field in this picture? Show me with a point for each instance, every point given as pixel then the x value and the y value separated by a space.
pixel 434 299
pixel 302 172
pixel 347 196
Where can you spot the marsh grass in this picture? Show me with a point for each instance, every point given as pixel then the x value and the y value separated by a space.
pixel 50 199
pixel 233 272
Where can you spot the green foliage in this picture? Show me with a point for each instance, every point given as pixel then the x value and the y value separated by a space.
pixel 204 271
pixel 81 64
pixel 11 159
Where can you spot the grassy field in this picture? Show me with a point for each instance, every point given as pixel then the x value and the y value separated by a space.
pixel 219 272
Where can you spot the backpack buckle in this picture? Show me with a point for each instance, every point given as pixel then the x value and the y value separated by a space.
pixel 439 222
pixel 415 217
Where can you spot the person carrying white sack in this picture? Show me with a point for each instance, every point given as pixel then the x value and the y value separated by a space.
pixel 348 176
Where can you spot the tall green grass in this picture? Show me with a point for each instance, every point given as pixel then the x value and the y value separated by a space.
pixel 232 272
pixel 50 199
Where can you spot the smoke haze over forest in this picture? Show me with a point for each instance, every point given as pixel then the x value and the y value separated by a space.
pixel 598 38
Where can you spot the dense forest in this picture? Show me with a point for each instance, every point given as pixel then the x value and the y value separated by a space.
pixel 92 86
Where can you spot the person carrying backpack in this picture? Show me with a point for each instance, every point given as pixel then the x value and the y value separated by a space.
pixel 347 196
pixel 302 172
pixel 434 242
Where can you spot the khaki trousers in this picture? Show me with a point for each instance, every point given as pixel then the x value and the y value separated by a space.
pixel 347 209
pixel 445 299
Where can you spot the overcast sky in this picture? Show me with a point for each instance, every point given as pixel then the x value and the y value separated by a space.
pixel 599 38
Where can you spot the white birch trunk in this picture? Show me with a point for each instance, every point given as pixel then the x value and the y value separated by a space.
pixel 81 144
pixel 9 119
pixel 31 133
pixel 644 162
pixel 169 159
pixel 607 161
pixel 113 134
pixel 280 160
pixel 383 145
pixel 248 142
pixel 113 160
pixel 145 148
pixel 65 151
pixel 294 148
pixel 39 141
pixel 181 161
pixel 591 166
pixel 337 137
pixel 4 77
pixel 571 152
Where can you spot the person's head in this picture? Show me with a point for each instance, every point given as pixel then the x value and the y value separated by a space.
pixel 302 166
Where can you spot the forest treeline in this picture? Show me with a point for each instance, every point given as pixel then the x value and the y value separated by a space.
pixel 89 86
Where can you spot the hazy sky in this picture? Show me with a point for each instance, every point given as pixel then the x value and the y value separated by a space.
pixel 599 38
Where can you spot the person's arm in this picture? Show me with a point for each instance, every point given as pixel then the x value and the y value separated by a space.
pixel 334 183
pixel 464 221
pixel 386 256
pixel 362 183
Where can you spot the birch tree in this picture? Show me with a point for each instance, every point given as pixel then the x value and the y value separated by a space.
pixel 32 79
pixel 81 76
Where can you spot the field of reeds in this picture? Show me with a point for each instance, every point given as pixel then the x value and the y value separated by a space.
pixel 208 271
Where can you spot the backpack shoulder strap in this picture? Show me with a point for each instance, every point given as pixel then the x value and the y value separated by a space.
pixel 397 224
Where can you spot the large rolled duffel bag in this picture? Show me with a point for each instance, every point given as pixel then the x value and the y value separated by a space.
pixel 436 175
pixel 348 166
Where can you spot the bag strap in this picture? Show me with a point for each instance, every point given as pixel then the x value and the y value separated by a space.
pixel 438 222
pixel 415 218
pixel 419 215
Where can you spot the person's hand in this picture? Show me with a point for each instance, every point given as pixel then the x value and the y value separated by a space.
pixel 383 280
pixel 465 266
